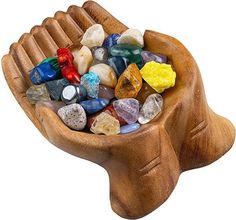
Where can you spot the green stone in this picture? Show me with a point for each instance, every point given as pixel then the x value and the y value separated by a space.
pixel 129 51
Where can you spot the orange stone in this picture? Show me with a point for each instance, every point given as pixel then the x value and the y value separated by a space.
pixel 129 83
pixel 144 92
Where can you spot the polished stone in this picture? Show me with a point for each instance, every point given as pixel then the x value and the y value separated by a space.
pixel 128 109
pixel 131 36
pixel 37 93
pixel 106 92
pixel 105 124
pixel 129 83
pixel 111 40
pixel 73 116
pixel 129 51
pixel 73 93
pixel 119 64
pixel 158 76
pixel 145 91
pixel 148 56
pixel 82 59
pixel 100 55
pixel 42 73
pixel 94 36
pixel 151 108
pixel 105 73
pixel 91 83
pixel 94 105
pixel 129 128
pixel 55 88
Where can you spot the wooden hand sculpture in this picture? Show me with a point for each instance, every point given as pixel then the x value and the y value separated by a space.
pixel 143 166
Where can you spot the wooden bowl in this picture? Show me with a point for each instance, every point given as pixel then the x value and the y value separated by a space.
pixel 143 166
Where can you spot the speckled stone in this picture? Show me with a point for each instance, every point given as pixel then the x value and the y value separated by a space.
pixel 91 83
pixel 128 109
pixel 73 93
pixel 37 93
pixel 129 128
pixel 94 105
pixel 151 108
pixel 73 116
pixel 100 55
pixel 55 88
pixel 105 124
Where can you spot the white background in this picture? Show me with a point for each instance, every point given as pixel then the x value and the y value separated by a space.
pixel 39 181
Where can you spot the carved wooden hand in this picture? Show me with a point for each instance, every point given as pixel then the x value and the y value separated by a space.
pixel 144 166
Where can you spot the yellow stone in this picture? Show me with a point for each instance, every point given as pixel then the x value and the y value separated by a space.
pixel 129 83
pixel 158 76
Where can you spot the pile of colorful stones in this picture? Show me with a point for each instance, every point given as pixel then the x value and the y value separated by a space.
pixel 109 86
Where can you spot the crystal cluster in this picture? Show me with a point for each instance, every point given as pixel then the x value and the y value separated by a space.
pixel 110 85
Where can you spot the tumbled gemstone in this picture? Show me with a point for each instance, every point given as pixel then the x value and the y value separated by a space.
pixel 144 92
pixel 42 73
pixel 91 83
pixel 131 36
pixel 54 64
pixel 73 116
pixel 105 73
pixel 105 124
pixel 106 92
pixel 82 59
pixel 128 109
pixel 119 64
pixel 148 56
pixel 158 76
pixel 129 128
pixel 100 55
pixel 37 93
pixel 109 110
pixel 73 93
pixel 53 105
pixel 129 51
pixel 111 40
pixel 94 105
pixel 151 108
pixel 129 83
pixel 94 36
pixel 55 88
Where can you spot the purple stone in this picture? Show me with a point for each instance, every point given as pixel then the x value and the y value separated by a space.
pixel 148 56
pixel 128 109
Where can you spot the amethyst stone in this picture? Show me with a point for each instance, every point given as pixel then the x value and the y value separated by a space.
pixel 148 56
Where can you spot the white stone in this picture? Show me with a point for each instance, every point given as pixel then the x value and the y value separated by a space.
pixel 105 73
pixel 73 116
pixel 82 59
pixel 94 36
pixel 131 36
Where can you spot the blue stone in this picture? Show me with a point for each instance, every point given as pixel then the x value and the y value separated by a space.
pixel 94 105
pixel 42 73
pixel 55 88
pixel 129 128
pixel 119 64
pixel 111 40
pixel 91 83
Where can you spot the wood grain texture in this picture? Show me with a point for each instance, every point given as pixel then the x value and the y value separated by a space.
pixel 143 166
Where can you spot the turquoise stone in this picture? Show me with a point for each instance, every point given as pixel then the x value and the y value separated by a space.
pixel 131 52
pixel 94 105
pixel 129 128
pixel 55 88
pixel 91 83
pixel 119 64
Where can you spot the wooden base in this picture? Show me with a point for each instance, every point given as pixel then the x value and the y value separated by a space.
pixel 143 166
